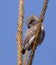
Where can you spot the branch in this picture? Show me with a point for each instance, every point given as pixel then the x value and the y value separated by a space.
pixel 19 33
pixel 35 43
pixel 25 57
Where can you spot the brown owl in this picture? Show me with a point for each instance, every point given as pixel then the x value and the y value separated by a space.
pixel 32 22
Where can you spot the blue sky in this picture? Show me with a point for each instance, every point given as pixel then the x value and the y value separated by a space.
pixel 46 53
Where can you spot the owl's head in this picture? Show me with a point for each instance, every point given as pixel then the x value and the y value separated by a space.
pixel 32 21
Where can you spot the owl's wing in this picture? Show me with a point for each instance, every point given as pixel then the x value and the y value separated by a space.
pixel 41 36
pixel 26 44
pixel 30 32
pixel 29 37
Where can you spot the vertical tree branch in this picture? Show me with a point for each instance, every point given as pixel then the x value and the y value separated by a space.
pixel 35 43
pixel 25 57
pixel 19 33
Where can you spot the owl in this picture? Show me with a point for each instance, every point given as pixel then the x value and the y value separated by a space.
pixel 32 23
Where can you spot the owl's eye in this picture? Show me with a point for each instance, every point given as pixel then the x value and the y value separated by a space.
pixel 31 21
pixel 34 23
pixel 28 26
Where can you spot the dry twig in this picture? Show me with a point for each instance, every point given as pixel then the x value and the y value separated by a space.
pixel 19 33
pixel 26 57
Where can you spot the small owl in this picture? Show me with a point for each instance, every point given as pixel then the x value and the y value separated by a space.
pixel 32 22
